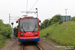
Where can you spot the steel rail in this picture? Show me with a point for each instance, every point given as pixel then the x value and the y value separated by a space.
pixel 39 48
pixel 22 48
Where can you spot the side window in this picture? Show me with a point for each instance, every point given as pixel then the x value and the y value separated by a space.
pixel 17 28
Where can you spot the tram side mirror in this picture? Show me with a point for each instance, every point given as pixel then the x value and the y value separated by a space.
pixel 16 21
pixel 17 26
pixel 12 23
pixel 39 21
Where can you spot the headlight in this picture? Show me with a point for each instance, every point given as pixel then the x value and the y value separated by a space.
pixel 36 33
pixel 21 33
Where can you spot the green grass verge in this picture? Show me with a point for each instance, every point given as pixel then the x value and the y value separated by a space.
pixel 63 34
pixel 3 41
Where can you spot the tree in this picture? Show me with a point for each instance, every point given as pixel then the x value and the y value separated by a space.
pixel 73 18
pixel 47 22
pixel 56 18
pixel 5 29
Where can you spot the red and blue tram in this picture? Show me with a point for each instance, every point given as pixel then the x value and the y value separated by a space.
pixel 28 29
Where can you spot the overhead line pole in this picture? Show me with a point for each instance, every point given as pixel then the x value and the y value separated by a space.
pixel 9 18
pixel 26 6
pixel 33 5
pixel 12 29
pixel 66 13
pixel 37 12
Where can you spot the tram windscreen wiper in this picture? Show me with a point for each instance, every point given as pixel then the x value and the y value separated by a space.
pixel 34 29
pixel 23 29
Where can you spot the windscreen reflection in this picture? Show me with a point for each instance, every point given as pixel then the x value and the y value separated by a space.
pixel 28 25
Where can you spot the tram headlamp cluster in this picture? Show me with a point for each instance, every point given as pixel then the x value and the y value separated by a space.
pixel 36 33
pixel 21 33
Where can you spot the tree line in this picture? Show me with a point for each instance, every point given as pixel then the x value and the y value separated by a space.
pixel 53 20
pixel 5 29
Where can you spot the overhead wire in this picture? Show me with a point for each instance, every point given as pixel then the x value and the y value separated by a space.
pixel 26 13
pixel 33 5
pixel 27 9
pixel 26 6
pixel 15 19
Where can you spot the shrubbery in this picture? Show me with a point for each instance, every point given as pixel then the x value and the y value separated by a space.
pixel 52 21
pixel 5 32
pixel 73 19
pixel 5 29
pixel 60 21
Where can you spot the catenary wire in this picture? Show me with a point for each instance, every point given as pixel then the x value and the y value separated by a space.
pixel 33 5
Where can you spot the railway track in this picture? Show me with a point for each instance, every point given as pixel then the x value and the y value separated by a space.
pixel 30 46
pixel 39 48
pixel 22 48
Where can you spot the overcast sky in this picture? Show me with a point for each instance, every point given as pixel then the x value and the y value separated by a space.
pixel 46 8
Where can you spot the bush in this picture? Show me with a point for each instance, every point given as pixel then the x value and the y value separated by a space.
pixel 73 19
pixel 60 21
pixel 5 29
pixel 56 18
pixel 51 21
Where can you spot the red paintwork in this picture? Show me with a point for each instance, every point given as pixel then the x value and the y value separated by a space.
pixel 28 35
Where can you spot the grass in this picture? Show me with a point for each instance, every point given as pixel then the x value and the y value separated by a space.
pixel 63 34
pixel 3 41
